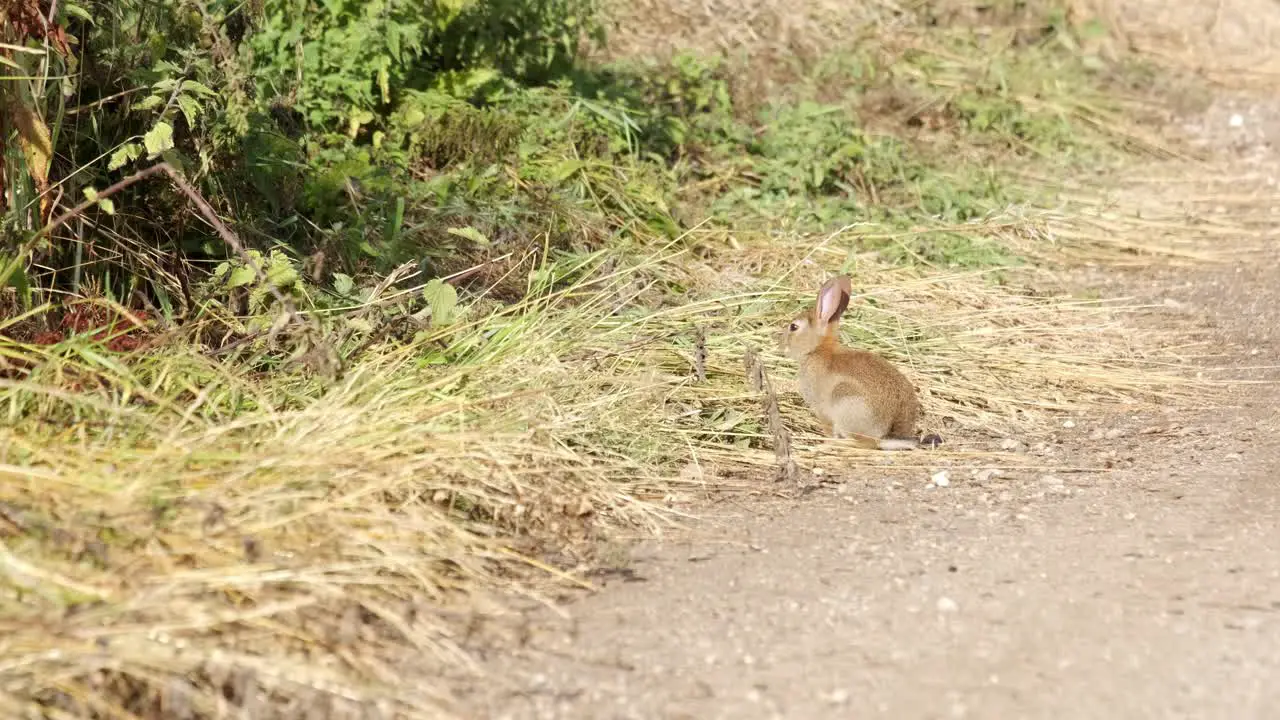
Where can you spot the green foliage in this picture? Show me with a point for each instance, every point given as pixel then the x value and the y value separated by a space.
pixel 343 64
pixel 278 271
pixel 337 61
pixel 452 132
pixel 442 299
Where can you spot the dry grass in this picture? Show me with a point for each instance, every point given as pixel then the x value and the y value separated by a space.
pixel 773 42
pixel 1184 212
pixel 782 31
pixel 164 550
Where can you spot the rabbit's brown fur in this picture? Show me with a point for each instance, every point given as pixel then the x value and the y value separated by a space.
pixel 854 393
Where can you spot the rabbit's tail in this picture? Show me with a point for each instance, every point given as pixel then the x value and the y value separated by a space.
pixel 909 443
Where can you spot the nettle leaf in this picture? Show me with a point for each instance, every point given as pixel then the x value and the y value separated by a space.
pixel 358 119
pixel 359 325
pixel 174 158
pixel 124 155
pixel 158 139
pixel 104 203
pixel 198 87
pixel 18 278
pixel 280 271
pixel 343 284
pixel 384 84
pixel 79 12
pixel 471 234
pixel 190 109
pixel 149 102
pixel 240 275
pixel 442 298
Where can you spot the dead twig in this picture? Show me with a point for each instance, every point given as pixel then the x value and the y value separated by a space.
pixel 758 379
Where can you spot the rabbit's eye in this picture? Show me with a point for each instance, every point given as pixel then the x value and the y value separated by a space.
pixel 794 327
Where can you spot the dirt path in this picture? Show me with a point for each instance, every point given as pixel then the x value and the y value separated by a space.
pixel 1149 591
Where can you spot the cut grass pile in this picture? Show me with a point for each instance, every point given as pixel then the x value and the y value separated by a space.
pixel 189 535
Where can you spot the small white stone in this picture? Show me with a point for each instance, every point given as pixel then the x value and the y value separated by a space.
pixel 1051 481
pixel 947 605
pixel 1237 120
pixel 837 697
pixel 1069 424
pixel 987 475
pixel 1009 444
pixel 941 478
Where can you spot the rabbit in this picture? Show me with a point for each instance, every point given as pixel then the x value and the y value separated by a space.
pixel 853 392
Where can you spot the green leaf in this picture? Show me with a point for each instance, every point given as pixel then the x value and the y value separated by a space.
pixel 149 102
pixel 280 270
pixel 442 298
pixel 359 324
pixel 240 275
pixel 124 155
pixel 90 194
pixel 190 109
pixel 17 278
pixel 158 139
pixel 566 169
pixel 107 206
pixel 198 87
pixel 358 119
pixel 174 158
pixel 395 222
pixel 76 10
pixel 343 284
pixel 471 234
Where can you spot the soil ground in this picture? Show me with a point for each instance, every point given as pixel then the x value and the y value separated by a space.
pixel 1148 590
pixel 1152 591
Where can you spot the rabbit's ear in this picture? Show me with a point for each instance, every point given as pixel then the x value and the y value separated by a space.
pixel 833 298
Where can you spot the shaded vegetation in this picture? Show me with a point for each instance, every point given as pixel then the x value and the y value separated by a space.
pixel 358 136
